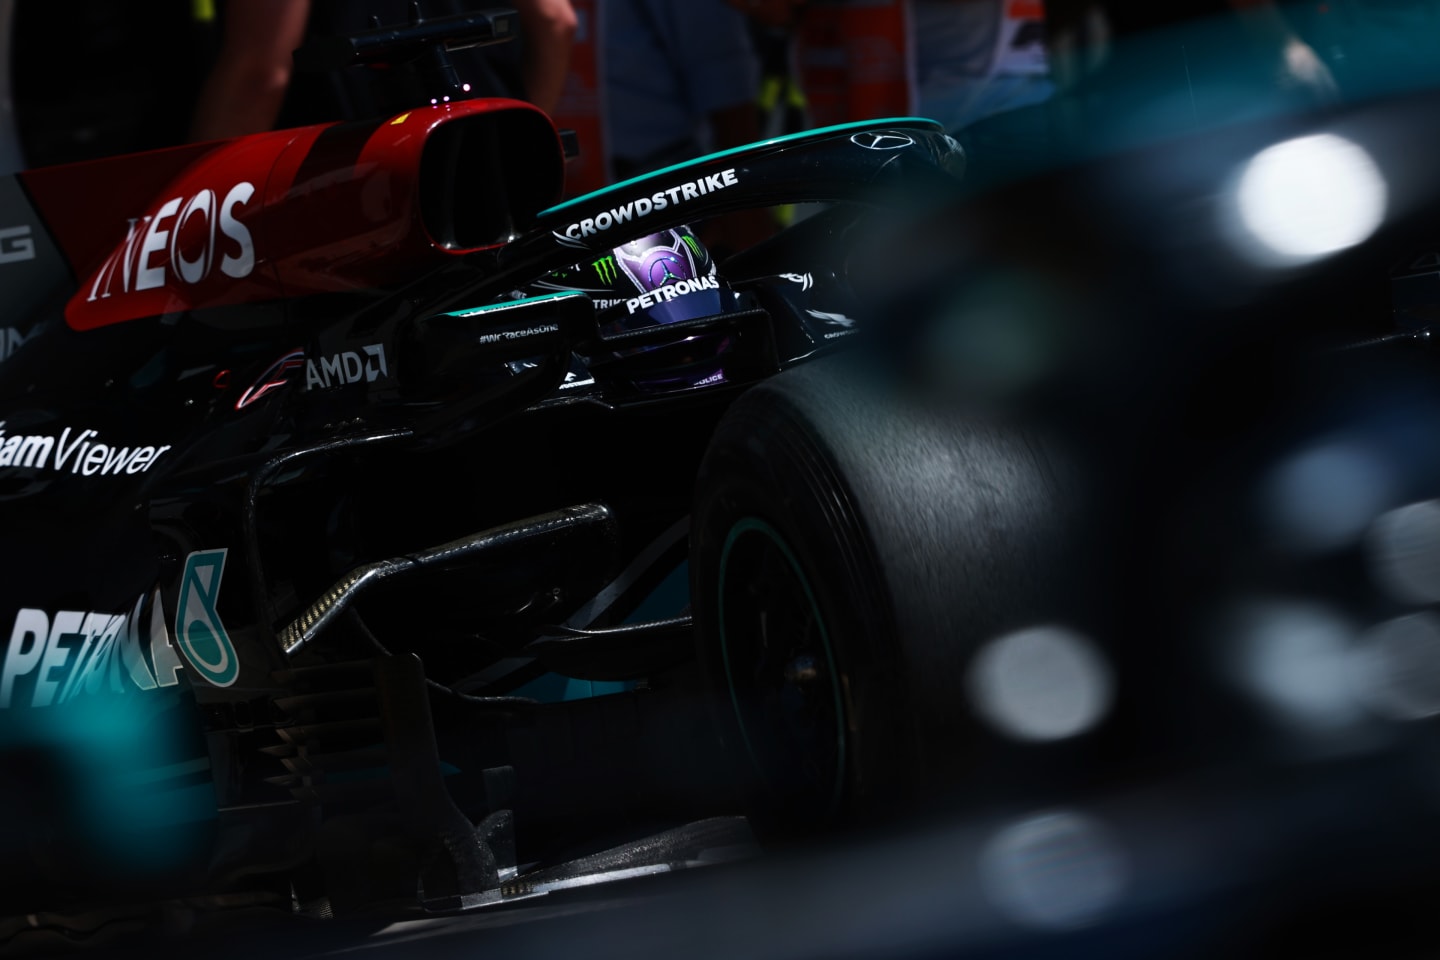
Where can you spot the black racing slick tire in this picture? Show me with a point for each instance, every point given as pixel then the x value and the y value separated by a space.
pixel 851 548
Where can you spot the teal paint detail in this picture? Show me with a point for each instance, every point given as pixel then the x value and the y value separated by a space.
pixel 554 688
pixel 758 526
pixel 133 771
pixel 512 304
pixel 669 599
pixel 748 148
pixel 147 828
pixel 198 629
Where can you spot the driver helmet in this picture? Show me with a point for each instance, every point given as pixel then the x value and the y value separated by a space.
pixel 661 278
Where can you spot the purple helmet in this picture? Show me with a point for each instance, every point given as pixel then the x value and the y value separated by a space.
pixel 661 278
pixel 658 279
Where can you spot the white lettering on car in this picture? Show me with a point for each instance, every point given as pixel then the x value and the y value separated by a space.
pixel 670 291
pixel 85 652
pixel 77 450
pixel 348 367
pixel 644 206
pixel 16 244
pixel 151 256
pixel 200 205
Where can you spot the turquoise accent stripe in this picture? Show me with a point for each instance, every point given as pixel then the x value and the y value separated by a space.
pixel 511 304
pixel 668 599
pixel 756 525
pixel 556 688
pixel 748 148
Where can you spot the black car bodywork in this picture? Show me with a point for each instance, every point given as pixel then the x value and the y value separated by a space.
pixel 238 522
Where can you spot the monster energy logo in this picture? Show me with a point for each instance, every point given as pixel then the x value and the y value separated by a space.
pixel 694 245
pixel 605 269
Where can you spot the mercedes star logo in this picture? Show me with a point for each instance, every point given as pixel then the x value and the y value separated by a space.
pixel 881 141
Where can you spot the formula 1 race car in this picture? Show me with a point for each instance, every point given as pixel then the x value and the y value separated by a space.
pixel 342 470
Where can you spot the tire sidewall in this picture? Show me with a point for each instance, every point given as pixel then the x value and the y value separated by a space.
pixel 764 470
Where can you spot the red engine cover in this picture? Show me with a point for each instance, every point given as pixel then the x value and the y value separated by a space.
pixel 312 210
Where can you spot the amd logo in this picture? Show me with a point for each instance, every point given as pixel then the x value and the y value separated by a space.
pixel 347 367
pixel 154 250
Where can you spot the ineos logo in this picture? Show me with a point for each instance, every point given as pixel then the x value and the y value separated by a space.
pixel 882 141
pixel 153 244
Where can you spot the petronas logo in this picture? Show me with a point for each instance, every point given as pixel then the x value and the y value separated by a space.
pixel 605 269
pixel 202 636
pixel 694 245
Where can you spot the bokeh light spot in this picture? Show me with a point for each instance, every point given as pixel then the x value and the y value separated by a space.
pixel 1294 658
pixel 1323 498
pixel 1042 683
pixel 1398 667
pixel 1403 549
pixel 1307 198
pixel 1057 871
